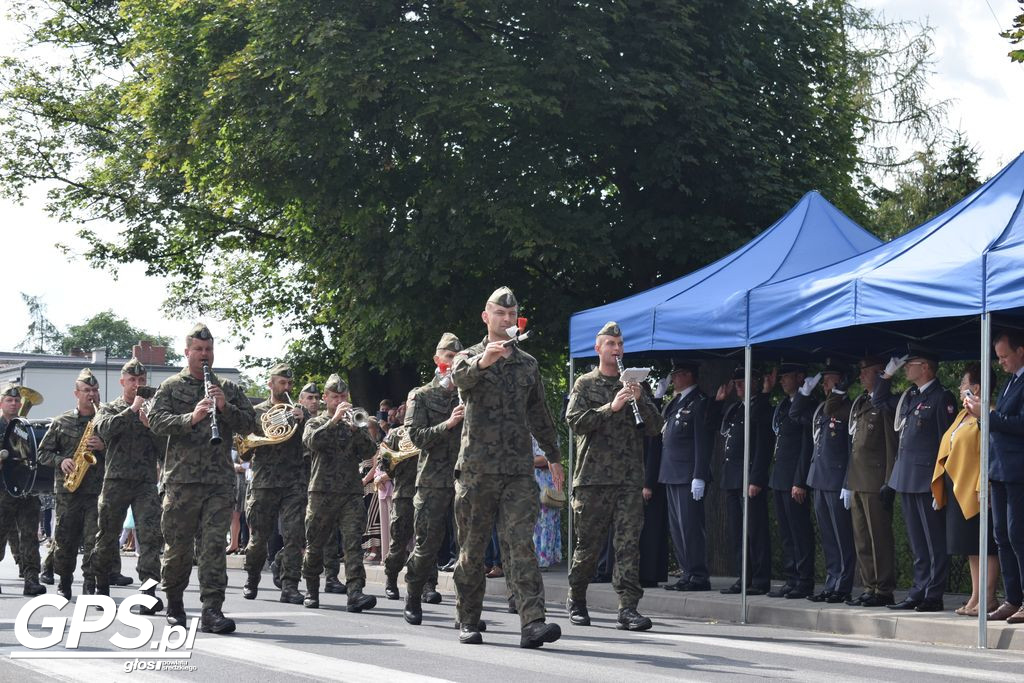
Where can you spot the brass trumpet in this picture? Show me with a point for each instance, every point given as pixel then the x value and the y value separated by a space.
pixel 357 417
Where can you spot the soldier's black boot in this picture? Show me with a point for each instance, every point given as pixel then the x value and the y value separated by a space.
pixel 33 587
pixel 102 587
pixel 290 593
pixel 631 620
pixel 214 621
pixel 512 609
pixel 119 579
pixel 430 595
pixel 157 606
pixel 391 588
pixel 275 572
pixel 357 602
pixel 469 634
pixel 413 610
pixel 251 586
pixel 64 587
pixel 46 576
pixel 89 585
pixel 175 610
pixel 578 613
pixel 312 600
pixel 334 585
pixel 536 633
pixel 480 626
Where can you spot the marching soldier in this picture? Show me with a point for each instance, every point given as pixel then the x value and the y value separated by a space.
pixel 504 396
pixel 433 418
pixel 76 511
pixel 923 414
pixel 872 456
pixel 403 477
pixel 277 489
pixel 336 495
pixel 608 482
pixel 199 479
pixel 20 515
pixel 129 479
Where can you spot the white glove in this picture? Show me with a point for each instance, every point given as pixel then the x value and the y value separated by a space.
pixel 661 389
pixel 697 488
pixel 895 363
pixel 935 504
pixel 809 384
pixel 846 495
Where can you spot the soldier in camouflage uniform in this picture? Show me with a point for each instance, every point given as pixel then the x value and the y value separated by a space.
pixel 336 495
pixel 278 488
pixel 199 479
pixel 75 511
pixel 433 418
pixel 403 476
pixel 20 515
pixel 129 479
pixel 504 396
pixel 608 482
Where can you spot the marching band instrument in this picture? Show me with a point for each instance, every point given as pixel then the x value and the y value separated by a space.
pixel 83 457
pixel 388 458
pixel 637 418
pixel 278 426
pixel 29 398
pixel 357 417
pixel 22 474
pixel 214 429
pixel 517 332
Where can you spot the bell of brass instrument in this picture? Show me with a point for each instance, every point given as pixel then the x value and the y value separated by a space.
pixel 83 458
pixel 357 417
pixel 29 398
pixel 277 425
pixel 388 458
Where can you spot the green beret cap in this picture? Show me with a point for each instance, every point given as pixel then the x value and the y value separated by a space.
pixel 336 384
pixel 449 342
pixel 86 377
pixel 133 368
pixel 281 370
pixel 611 328
pixel 201 331
pixel 503 296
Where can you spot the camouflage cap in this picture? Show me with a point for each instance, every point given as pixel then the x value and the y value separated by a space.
pixel 336 384
pixel 201 331
pixel 10 389
pixel 611 328
pixel 449 342
pixel 503 296
pixel 134 368
pixel 281 370
pixel 310 388
pixel 86 377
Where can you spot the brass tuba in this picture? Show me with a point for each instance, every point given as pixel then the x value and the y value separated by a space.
pixel 29 398
pixel 83 458
pixel 277 425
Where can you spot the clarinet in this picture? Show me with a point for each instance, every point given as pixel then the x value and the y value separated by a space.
pixel 214 429
pixel 636 409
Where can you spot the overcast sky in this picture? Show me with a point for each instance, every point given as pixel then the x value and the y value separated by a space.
pixel 971 69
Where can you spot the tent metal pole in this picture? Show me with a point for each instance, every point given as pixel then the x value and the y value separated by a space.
pixel 747 372
pixel 986 393
pixel 571 469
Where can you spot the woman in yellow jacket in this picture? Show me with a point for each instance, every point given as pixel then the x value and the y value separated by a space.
pixel 955 487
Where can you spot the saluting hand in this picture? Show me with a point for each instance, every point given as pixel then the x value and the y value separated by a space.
pixel 723 391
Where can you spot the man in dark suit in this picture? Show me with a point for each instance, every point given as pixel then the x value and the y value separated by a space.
pixel 923 414
pixel 789 486
pixel 759 573
pixel 1006 473
pixel 685 469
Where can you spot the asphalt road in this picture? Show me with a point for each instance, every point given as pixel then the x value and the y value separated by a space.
pixel 279 642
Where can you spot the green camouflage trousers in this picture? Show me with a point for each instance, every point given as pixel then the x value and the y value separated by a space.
pixel 189 509
pixel 325 513
pixel 19 523
pixel 511 500
pixel 262 509
pixel 595 510
pixel 115 498
pixel 401 528
pixel 75 526
pixel 431 513
pixel 332 557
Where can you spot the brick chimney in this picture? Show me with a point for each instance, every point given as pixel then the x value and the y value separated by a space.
pixel 147 354
pixel 78 353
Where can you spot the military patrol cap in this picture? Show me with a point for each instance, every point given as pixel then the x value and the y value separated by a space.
pixel 10 389
pixel 832 369
pixel 201 331
pixel 336 384
pixel 871 361
pixel 503 296
pixel 785 368
pixel 310 388
pixel 680 365
pixel 134 368
pixel 281 370
pixel 755 374
pixel 449 342
pixel 921 352
pixel 86 377
pixel 611 328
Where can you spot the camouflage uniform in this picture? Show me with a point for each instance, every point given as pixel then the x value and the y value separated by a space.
pixel 403 478
pixel 278 487
pixel 427 408
pixel 335 496
pixel 608 484
pixel 199 482
pixel 130 479
pixel 19 523
pixel 494 478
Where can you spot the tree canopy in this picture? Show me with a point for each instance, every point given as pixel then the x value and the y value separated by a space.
pixel 1016 35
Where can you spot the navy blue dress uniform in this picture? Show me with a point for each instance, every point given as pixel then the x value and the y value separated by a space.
pixel 793 448
pixel 759 548
pixel 923 414
pixel 685 457
pixel 826 475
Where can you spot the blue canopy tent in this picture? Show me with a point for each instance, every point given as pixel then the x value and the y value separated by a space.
pixel 930 285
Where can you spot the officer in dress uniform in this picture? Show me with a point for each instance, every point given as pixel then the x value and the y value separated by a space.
pixel 923 414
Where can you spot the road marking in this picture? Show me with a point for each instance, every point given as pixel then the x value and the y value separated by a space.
pixel 86 671
pixel 283 613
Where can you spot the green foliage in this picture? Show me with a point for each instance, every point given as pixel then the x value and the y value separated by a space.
pixel 115 334
pixel 1016 36
pixel 42 335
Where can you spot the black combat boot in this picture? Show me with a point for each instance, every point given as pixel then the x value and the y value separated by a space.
pixel 480 626
pixel 470 635
pixel 275 572
pixel 413 610
pixel 334 585
pixel 64 587
pixel 290 593
pixel 175 610
pixel 102 587
pixel 357 602
pixel 312 600
pixel 536 633
pixel 391 588
pixel 89 585
pixel 251 586
pixel 33 587
pixel 512 609
pixel 157 607
pixel 631 620
pixel 46 576
pixel 214 621
pixel 119 579
pixel 430 595
pixel 578 613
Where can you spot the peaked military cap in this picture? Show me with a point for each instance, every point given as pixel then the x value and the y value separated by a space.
pixel 281 370
pixel 336 384
pixel 755 374
pixel 449 342
pixel 921 352
pixel 10 389
pixel 832 369
pixel 86 377
pixel 503 296
pixel 610 328
pixel 133 367
pixel 871 361
pixel 310 388
pixel 201 331
pixel 785 368
pixel 679 365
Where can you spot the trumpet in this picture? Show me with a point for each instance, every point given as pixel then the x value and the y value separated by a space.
pixel 636 409
pixel 214 429
pixel 357 417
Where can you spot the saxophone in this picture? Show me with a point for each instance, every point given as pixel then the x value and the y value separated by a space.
pixel 83 458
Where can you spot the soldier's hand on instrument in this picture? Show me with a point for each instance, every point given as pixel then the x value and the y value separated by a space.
pixel 648 493
pixel 67 465
pixel 138 403
pixel 799 494
pixel 144 419
pixel 95 443
pixel 217 394
pixel 557 475
pixel 456 417
pixel 297 413
pixel 202 409
pixel 492 352
pixel 621 399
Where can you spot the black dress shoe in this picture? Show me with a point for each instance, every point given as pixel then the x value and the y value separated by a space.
pixel 694 587
pixel 836 598
pixel 753 590
pixel 878 601
pixel 536 633
pixel 677 586
pixel 797 594
pixel 930 606
pixel 823 596
pixel 857 601
pixel 731 590
pixel 780 592
pixel 905 603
